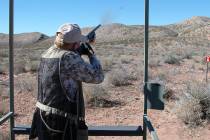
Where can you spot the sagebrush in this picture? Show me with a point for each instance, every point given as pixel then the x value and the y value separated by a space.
pixel 194 106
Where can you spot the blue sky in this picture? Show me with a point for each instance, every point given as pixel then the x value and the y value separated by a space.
pixel 46 15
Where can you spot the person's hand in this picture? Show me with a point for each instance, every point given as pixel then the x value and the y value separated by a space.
pixel 84 49
pixel 91 37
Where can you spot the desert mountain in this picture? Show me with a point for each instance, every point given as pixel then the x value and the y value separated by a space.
pixel 194 29
pixel 23 38
pixel 120 32
pixel 196 26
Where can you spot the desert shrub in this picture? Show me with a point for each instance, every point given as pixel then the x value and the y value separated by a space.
pixel 201 91
pixel 159 77
pixel 35 56
pixel 25 66
pixel 3 106
pixel 169 94
pixel 4 136
pixel 135 72
pixel 187 55
pixel 120 77
pixel 97 96
pixel 26 84
pixel 3 68
pixel 174 71
pixel 194 107
pixel 3 109
pixel 154 62
pixel 190 111
pixel 4 53
pixel 125 59
pixel 31 66
pixel 19 67
pixel 107 63
pixel 172 59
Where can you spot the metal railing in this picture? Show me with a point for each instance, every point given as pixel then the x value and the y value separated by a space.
pixel 93 130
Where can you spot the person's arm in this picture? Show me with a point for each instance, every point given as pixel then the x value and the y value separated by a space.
pixel 73 66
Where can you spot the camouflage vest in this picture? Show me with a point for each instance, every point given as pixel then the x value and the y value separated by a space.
pixel 50 90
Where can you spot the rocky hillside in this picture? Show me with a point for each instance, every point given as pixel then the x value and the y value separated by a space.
pixel 120 32
pixel 193 27
pixel 194 30
pixel 23 38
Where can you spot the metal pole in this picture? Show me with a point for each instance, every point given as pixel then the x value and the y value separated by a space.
pixel 11 66
pixel 151 129
pixel 207 69
pixel 146 36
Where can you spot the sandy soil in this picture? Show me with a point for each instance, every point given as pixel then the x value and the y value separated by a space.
pixel 166 123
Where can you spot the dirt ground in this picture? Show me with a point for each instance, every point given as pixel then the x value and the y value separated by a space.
pixel 166 123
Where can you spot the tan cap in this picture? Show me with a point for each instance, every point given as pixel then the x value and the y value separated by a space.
pixel 71 33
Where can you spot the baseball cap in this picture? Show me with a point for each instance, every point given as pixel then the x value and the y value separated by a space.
pixel 71 33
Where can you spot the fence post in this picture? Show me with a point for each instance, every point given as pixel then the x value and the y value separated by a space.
pixel 207 69
pixel 11 66
pixel 146 36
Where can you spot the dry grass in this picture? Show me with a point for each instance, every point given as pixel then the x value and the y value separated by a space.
pixel 169 94
pixel 26 84
pixel 193 108
pixel 126 59
pixel 172 59
pixel 3 103
pixel 190 111
pixel 19 67
pixel 154 61
pixel 120 77
pixel 3 136
pixel 3 107
pixel 107 63
pixel 98 96
pixel 31 66
pixel 3 68
pixel 4 53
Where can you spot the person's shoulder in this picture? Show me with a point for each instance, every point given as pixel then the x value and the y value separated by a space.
pixel 47 52
pixel 71 55
pixel 55 52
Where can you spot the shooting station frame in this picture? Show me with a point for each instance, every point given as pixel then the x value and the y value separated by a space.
pixel 153 94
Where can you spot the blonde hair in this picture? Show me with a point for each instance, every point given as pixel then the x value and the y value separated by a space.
pixel 59 40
